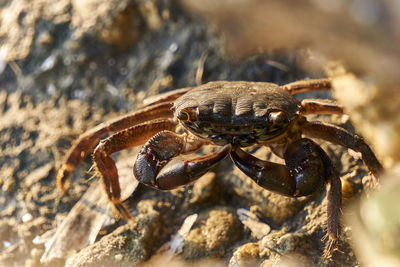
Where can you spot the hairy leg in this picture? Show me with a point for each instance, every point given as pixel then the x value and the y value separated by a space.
pixel 166 97
pixel 105 165
pixel 85 144
pixel 320 106
pixel 340 136
pixel 308 85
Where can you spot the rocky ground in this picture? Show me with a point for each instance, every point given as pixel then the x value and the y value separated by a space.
pixel 67 66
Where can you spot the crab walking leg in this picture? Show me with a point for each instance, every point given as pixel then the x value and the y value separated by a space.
pixel 307 169
pixel 156 165
pixel 166 97
pixel 308 85
pixel 105 165
pixel 320 106
pixel 86 142
pixel 340 136
pixel 334 207
pixel 304 159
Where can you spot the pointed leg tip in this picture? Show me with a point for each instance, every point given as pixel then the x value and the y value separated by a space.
pixel 61 187
pixel 330 247
pixel 62 178
pixel 123 212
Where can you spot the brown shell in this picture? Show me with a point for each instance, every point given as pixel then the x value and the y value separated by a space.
pixel 235 108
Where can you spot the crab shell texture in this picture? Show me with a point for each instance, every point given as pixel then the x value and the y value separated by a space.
pixel 239 113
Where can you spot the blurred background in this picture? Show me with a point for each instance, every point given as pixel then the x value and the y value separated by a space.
pixel 68 65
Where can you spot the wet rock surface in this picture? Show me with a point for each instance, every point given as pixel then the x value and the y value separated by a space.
pixel 66 67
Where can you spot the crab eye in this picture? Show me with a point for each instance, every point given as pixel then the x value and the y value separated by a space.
pixel 278 118
pixel 183 116
pixel 189 115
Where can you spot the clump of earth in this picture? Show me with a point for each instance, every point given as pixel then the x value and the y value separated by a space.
pixel 67 66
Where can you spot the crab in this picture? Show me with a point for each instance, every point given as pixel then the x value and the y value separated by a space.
pixel 230 115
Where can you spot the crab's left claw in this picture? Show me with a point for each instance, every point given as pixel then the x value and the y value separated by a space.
pixel 307 169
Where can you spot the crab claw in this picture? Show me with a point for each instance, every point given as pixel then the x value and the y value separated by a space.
pixel 157 165
pixel 181 172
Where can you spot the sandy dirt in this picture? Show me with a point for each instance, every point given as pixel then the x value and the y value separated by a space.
pixel 67 67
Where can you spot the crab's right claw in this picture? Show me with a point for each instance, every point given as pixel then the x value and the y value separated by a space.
pixel 157 165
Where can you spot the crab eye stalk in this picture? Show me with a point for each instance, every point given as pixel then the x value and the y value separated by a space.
pixel 278 118
pixel 189 115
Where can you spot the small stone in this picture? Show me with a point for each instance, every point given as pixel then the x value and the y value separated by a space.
pixel 9 185
pixel 27 217
pixel 118 257
pixel 249 219
pixel 203 188
pixel 246 255
pixel 214 231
